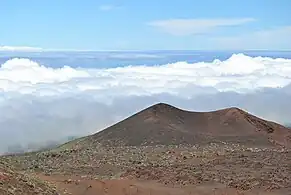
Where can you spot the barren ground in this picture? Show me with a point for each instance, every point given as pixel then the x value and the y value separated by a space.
pixel 213 169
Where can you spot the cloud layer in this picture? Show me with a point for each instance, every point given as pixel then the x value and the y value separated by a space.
pixel 41 104
pixel 239 73
pixel 20 48
pixel 181 27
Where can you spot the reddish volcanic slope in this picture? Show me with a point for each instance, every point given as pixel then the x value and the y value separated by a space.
pixel 167 125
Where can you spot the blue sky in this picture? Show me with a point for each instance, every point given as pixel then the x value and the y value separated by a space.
pixel 145 25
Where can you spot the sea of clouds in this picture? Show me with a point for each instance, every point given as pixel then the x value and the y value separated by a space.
pixel 42 106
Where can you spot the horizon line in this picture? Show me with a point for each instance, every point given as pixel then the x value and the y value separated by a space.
pixel 40 50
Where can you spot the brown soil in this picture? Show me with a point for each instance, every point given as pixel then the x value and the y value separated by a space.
pixel 87 186
pixel 228 169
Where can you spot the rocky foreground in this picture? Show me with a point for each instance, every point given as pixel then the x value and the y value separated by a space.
pixel 13 182
pixel 230 166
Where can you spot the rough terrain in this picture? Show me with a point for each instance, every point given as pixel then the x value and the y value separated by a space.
pixel 165 150
pixel 16 183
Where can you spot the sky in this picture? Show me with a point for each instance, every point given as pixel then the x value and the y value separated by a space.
pixel 145 25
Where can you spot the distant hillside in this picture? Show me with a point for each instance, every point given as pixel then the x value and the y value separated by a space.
pixel 167 125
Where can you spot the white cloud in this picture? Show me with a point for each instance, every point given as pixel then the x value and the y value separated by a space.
pixel 181 27
pixel 23 71
pixel 276 38
pixel 40 104
pixel 237 73
pixel 20 48
pixel 108 7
